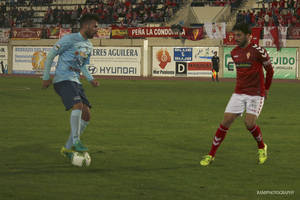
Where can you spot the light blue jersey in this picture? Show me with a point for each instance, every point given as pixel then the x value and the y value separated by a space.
pixel 74 54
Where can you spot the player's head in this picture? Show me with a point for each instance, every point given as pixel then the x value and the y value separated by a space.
pixel 242 34
pixel 89 25
pixel 215 53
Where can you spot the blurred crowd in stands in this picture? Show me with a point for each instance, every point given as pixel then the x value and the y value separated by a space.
pixel 127 12
pixel 132 13
pixel 233 3
pixel 272 13
pixel 21 13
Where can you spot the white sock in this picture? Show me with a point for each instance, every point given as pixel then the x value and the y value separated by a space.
pixel 75 120
pixel 83 125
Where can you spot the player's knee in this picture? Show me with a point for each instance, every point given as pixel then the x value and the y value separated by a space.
pixel 249 124
pixel 228 120
pixel 78 106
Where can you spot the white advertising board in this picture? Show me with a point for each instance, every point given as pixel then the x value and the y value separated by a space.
pixel 182 61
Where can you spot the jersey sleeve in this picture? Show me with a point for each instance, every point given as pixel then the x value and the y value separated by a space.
pixel 231 54
pixel 85 71
pixel 63 44
pixel 264 58
pixel 48 63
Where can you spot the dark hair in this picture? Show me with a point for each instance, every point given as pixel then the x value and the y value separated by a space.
pixel 245 28
pixel 88 17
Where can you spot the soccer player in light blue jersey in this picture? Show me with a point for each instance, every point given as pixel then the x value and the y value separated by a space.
pixel 74 51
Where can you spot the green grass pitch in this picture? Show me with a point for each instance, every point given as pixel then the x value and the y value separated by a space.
pixel 146 139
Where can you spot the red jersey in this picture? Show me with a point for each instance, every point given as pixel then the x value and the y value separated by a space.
pixel 249 63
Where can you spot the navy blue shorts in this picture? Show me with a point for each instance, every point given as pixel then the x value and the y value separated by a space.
pixel 71 93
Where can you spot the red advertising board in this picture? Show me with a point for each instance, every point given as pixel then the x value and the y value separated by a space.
pixel 143 32
pixel 199 66
pixel 26 33
pixel 151 32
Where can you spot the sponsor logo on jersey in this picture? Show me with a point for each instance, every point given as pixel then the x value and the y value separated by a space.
pixel 243 65
pixel 248 55
pixel 74 69
pixel 56 47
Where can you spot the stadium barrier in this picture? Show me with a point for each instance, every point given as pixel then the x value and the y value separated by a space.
pixel 151 57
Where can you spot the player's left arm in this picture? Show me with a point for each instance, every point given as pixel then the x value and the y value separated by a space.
pixel 266 62
pixel 87 74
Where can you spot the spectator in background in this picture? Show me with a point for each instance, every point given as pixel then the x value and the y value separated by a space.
pixel 253 18
pixel 84 11
pixel 261 22
pixel 271 22
pixel 31 12
pixel 74 16
pixel 274 4
pixel 297 12
pixel 275 20
pixel 275 11
pixel 20 17
pixel 281 21
pixel 267 19
pixel 288 18
pixel 294 20
pixel 239 17
pixel 2 8
pixel 79 11
pixel 45 32
pixel 290 4
pixel 55 13
pixel 281 5
pixel 248 17
pixel 2 18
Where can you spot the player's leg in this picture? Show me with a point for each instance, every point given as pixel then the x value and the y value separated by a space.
pixel 85 118
pixel 75 122
pixel 254 107
pixel 222 131
pixel 250 122
pixel 70 95
pixel 219 137
pixel 86 113
pixel 76 112
pixel 233 109
pixel 73 137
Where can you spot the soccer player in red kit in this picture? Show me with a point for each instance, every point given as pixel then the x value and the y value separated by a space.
pixel 250 92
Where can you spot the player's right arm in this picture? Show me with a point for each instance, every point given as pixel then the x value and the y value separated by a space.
pixel 57 49
pixel 46 76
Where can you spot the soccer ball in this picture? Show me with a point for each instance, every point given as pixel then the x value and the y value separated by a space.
pixel 81 159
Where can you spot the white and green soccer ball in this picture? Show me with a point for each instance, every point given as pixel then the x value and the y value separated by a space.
pixel 81 159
